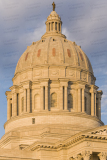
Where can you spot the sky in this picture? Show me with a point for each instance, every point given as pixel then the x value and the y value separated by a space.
pixel 23 22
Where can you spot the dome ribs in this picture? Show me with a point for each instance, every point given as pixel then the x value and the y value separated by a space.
pixel 62 54
pixel 71 46
pixel 48 46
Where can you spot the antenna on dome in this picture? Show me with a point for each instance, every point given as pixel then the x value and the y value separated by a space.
pixel 53 6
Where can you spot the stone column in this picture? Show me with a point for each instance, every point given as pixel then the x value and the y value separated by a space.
pixel 76 100
pixel 86 155
pixel 57 27
pixel 12 104
pixel 32 100
pixel 95 103
pixel 92 103
pixel 60 27
pixel 46 98
pixel 102 155
pixel 42 99
pixel 8 108
pixel 25 100
pixel 99 107
pixel 46 27
pixel 15 104
pixel 53 26
pixel 28 100
pixel 79 100
pixel 61 98
pixel 65 98
pixel 83 100
pixel 20 105
pixel 79 157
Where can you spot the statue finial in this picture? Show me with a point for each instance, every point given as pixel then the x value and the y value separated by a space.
pixel 53 6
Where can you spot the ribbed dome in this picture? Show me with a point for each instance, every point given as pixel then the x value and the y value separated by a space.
pixel 53 15
pixel 53 50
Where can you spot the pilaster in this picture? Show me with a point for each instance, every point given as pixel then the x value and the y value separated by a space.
pixel 8 108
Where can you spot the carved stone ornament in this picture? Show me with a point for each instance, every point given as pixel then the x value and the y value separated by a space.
pixel 102 155
pixel 104 132
pixel 38 73
pixel 86 155
pixel 72 73
pixel 24 76
pixel 79 157
pixel 54 72
pixel 83 76
pixel 71 158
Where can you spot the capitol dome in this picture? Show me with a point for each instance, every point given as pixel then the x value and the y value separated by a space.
pixel 53 87
pixel 54 106
pixel 54 49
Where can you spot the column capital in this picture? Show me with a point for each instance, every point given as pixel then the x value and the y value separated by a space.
pixel 79 157
pixel 64 82
pixel 86 155
pixel 44 83
pixel 93 89
pixel 80 86
pixel 71 158
pixel 102 155
pixel 27 85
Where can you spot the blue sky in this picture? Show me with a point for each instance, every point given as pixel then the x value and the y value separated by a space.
pixel 22 22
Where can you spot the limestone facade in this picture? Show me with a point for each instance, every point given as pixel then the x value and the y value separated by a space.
pixel 54 106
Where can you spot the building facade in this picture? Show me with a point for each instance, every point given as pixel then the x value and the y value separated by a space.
pixel 54 106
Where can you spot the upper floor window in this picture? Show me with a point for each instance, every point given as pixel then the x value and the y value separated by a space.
pixel 54 100
pixel 70 102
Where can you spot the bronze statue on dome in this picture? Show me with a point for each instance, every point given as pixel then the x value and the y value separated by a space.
pixel 53 6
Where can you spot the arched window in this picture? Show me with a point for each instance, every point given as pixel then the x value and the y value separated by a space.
pixel 36 101
pixel 85 100
pixel 70 102
pixel 54 100
pixel 22 104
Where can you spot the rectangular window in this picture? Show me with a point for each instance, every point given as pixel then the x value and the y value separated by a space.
pixel 30 100
pixel 52 26
pixel 81 98
pixel 17 104
pixel 44 98
pixel 33 120
pixel 59 26
pixel 56 26
pixel 11 110
pixel 85 104
pixel 26 100
pixel 63 97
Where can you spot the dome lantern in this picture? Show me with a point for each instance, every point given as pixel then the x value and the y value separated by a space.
pixel 53 24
